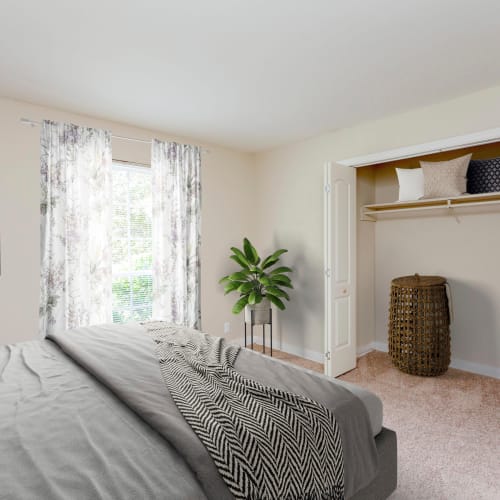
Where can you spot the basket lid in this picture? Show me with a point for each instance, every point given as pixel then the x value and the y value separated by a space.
pixel 418 280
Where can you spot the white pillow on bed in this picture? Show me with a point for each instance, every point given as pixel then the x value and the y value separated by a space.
pixel 411 183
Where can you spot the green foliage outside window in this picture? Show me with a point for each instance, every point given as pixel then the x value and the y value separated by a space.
pixel 132 240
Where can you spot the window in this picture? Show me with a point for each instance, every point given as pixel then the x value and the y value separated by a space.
pixel 132 243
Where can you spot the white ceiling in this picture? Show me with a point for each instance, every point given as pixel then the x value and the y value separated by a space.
pixel 248 74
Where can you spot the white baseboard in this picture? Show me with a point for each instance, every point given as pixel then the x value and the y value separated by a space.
pixel 459 364
pixel 303 353
pixel 469 366
pixel 380 346
pixel 365 349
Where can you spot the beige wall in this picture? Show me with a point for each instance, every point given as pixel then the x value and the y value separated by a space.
pixel 289 186
pixel 276 199
pixel 228 194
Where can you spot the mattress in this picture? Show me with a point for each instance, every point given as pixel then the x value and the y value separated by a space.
pixel 372 402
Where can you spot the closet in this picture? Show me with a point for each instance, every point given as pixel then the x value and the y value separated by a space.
pixel 369 237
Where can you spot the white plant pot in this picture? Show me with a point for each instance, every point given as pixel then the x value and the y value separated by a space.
pixel 261 312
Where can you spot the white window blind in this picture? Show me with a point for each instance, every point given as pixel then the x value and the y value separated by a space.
pixel 132 245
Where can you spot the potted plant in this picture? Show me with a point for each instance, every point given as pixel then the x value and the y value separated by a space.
pixel 258 282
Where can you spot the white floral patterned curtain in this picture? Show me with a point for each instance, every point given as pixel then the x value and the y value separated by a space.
pixel 75 208
pixel 176 232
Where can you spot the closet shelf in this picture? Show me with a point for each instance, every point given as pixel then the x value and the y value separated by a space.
pixel 373 212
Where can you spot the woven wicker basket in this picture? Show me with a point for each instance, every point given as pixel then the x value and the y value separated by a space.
pixel 419 325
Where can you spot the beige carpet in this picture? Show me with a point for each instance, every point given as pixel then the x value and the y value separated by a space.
pixel 448 430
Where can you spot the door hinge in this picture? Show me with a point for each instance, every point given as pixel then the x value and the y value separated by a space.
pixel 327 188
pixel 328 355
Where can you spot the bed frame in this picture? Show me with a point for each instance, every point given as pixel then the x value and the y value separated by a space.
pixel 385 481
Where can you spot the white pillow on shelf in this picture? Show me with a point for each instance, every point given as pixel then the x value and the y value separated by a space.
pixel 411 183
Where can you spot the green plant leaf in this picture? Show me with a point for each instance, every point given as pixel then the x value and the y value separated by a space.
pixel 238 260
pixel 252 298
pixel 280 284
pixel 269 263
pixel 225 278
pixel 265 261
pixel 272 259
pixel 277 302
pixel 239 276
pixel 231 286
pixel 280 270
pixel 282 280
pixel 265 280
pixel 240 305
pixel 277 292
pixel 241 256
pixel 250 252
pixel 246 287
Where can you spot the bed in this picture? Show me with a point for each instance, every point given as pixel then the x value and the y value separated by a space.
pixel 85 415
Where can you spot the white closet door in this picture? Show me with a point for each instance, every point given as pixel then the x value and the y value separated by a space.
pixel 340 269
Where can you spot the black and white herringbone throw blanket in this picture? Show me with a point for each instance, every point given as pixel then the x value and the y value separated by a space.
pixel 266 443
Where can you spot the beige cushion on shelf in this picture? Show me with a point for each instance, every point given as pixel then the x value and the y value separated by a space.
pixel 445 178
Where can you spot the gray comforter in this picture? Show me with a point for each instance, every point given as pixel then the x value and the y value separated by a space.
pixel 86 415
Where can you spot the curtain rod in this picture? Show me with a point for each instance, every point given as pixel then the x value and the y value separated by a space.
pixel 34 123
